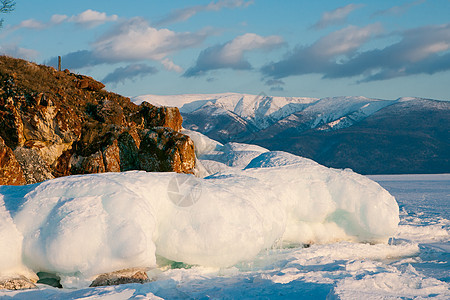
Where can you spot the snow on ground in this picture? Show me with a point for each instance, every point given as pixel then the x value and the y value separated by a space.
pixel 280 227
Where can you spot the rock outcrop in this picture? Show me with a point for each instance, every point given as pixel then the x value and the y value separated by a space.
pixel 165 150
pixel 58 123
pixel 134 275
pixel 16 283
pixel 10 171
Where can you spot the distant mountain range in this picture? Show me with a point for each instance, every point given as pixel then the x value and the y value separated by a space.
pixel 370 136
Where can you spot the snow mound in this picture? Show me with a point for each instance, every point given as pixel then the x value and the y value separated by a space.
pixel 277 159
pixel 81 226
pixel 203 144
pixel 216 157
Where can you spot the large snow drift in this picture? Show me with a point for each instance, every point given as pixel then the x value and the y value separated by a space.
pixel 81 226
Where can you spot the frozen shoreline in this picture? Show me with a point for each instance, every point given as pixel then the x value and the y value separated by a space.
pixel 418 269
pixel 255 183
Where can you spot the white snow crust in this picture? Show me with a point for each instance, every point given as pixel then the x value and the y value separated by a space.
pixel 250 200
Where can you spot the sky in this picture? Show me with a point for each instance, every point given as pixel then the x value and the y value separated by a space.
pixel 378 49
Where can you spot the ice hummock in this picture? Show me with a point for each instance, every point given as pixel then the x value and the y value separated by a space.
pixel 250 199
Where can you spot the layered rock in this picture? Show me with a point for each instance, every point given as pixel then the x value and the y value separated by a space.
pixel 58 123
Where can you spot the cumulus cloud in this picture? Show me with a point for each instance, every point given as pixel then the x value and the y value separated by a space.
pixel 419 50
pixel 129 73
pixel 171 66
pixel 58 19
pixel 319 56
pixel 335 17
pixel 184 14
pixel 32 24
pixel 345 40
pixel 77 60
pixel 231 54
pixel 16 51
pixel 134 40
pixel 398 10
pixel 91 18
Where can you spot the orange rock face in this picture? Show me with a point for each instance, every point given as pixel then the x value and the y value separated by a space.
pixel 58 123
pixel 10 170
pixel 166 150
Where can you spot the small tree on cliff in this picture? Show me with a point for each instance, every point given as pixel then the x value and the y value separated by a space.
pixel 6 6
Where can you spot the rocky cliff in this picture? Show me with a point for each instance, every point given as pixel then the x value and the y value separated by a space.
pixel 56 123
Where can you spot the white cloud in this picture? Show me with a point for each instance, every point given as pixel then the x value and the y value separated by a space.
pixel 231 54
pixel 130 72
pixel 233 51
pixel 171 66
pixel 322 56
pixel 422 50
pixel 91 18
pixel 31 24
pixel 345 40
pixel 88 18
pixel 399 9
pixel 228 4
pixel 58 19
pixel 16 51
pixel 421 43
pixel 335 17
pixel 38 25
pixel 188 12
pixel 135 39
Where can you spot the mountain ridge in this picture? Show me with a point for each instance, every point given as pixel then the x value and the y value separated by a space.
pixel 261 109
pixel 406 135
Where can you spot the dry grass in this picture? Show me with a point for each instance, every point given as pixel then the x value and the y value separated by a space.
pixel 22 78
pixel 31 77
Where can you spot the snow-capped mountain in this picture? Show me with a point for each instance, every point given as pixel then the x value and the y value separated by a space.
pixel 262 111
pixel 371 136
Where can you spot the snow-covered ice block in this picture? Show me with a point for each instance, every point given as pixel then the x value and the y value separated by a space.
pixel 325 204
pixel 81 226
pixel 11 247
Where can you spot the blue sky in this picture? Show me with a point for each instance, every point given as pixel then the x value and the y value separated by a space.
pixel 380 49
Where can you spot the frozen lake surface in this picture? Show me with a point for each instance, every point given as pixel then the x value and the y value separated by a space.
pixel 415 263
